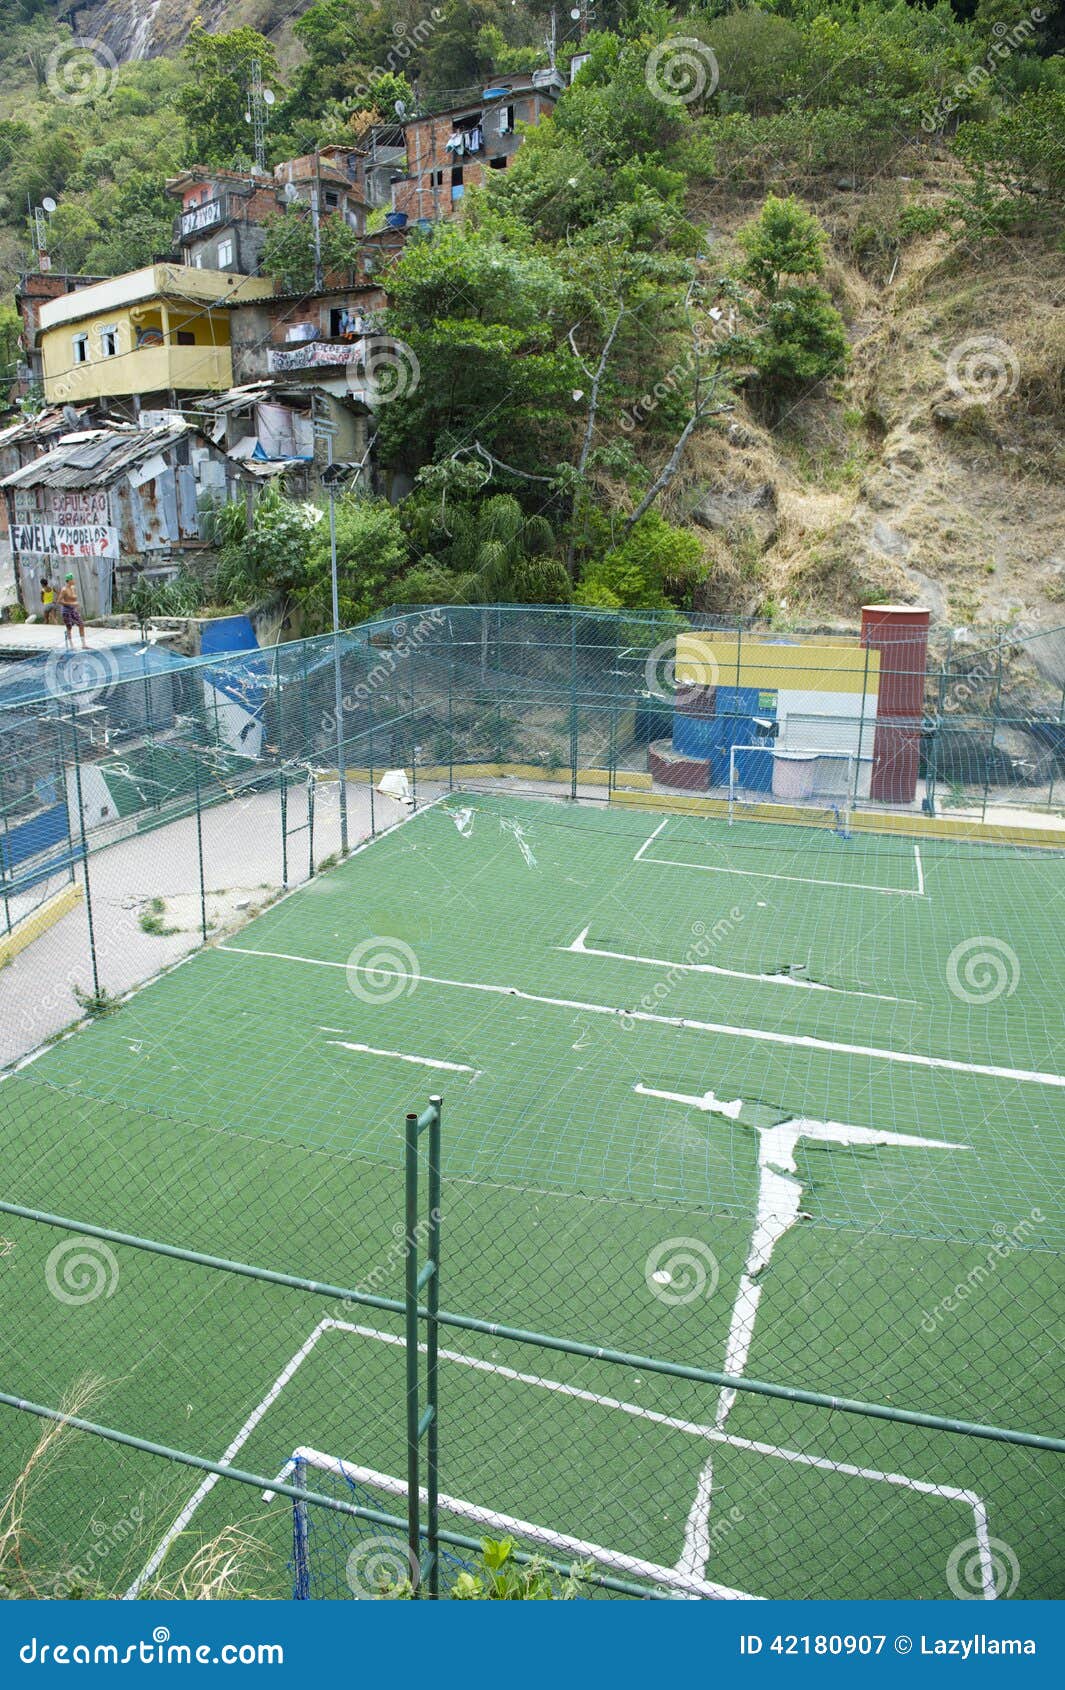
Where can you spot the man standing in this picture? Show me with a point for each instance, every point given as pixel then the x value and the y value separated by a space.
pixel 72 617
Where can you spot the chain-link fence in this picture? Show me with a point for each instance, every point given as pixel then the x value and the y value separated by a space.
pixel 206 1335
pixel 182 1279
pixel 168 800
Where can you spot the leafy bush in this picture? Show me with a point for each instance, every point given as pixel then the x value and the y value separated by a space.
pixel 649 570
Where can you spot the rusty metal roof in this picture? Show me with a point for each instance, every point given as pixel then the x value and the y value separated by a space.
pixel 96 457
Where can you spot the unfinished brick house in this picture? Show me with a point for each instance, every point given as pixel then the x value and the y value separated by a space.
pixel 454 150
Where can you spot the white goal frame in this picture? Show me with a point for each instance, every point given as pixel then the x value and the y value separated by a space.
pixel 832 791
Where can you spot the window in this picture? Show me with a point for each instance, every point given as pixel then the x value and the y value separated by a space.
pixel 80 344
pixel 109 343
pixel 185 337
pixel 499 163
pixel 225 254
pixel 332 199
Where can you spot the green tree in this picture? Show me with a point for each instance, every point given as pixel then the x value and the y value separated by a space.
pixel 798 337
pixel 215 99
pixel 654 567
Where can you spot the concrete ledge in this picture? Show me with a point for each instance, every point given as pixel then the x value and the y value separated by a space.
pixel 32 926
pixel 861 821
pixel 634 779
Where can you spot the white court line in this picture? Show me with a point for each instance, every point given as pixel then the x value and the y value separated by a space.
pixel 204 1489
pixel 713 1434
pixel 639 855
pixel 761 1035
pixel 779 1197
pixel 920 870
pixel 797 879
pixel 400 1055
pixel 580 948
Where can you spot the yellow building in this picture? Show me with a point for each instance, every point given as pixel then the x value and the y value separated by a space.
pixel 152 333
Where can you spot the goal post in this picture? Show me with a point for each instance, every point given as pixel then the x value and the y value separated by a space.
pixel 353 1556
pixel 821 782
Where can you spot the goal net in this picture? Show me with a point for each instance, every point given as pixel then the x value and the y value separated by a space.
pixel 342 1556
pixel 824 783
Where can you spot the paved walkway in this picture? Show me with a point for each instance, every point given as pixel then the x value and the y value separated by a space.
pixel 243 870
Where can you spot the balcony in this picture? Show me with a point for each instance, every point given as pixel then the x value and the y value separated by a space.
pixel 150 369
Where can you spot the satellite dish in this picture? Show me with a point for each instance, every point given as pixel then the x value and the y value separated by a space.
pixel 291 192
pixel 400 108
pixel 247 117
pixel 48 204
pixel 268 96
pixel 575 14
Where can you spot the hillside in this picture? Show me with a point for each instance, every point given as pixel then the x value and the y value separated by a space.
pixel 841 223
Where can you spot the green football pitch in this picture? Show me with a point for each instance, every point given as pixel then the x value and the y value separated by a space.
pixel 779 1103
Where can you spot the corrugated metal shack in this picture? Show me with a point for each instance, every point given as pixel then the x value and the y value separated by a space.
pixel 114 496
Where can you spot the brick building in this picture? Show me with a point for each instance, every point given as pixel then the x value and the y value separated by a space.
pixel 220 225
pixel 35 289
pixel 451 151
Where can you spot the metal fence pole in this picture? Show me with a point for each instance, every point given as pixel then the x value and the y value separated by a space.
pixel 432 1348
pixel 450 721
pixel 84 851
pixel 199 847
pixel 574 732
pixel 410 1327
pixel 369 707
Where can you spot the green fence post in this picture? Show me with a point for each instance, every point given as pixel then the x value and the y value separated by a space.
pixel 199 845
pixel 284 828
pixel 410 1327
pixel 369 706
pixel 5 863
pixel 1054 766
pixel 450 721
pixel 413 737
pixel 574 731
pixel 432 1346
pixel 84 851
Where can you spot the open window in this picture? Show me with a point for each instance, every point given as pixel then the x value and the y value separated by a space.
pixel 109 342
pixel 80 348
pixel 225 254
